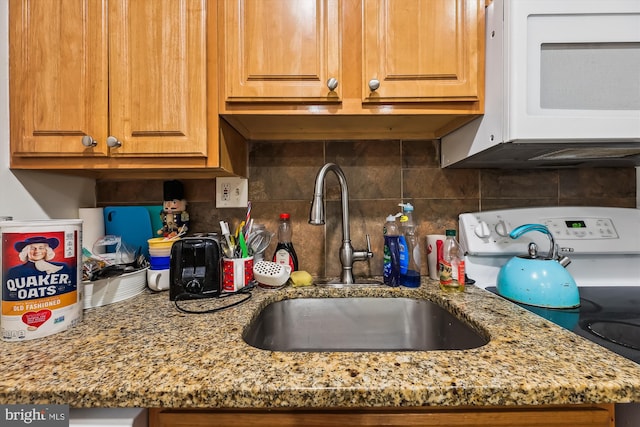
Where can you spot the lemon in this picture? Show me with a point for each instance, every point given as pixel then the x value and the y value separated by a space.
pixel 301 278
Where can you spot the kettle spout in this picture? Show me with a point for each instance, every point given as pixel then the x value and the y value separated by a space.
pixel 564 260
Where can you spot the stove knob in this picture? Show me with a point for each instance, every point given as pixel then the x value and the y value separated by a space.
pixel 482 230
pixel 501 228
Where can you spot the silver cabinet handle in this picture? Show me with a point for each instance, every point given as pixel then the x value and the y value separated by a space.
pixel 332 83
pixel 113 142
pixel 88 141
pixel 374 84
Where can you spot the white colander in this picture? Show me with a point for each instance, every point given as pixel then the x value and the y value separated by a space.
pixel 271 274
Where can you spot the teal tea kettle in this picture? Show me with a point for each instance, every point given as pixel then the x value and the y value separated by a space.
pixel 537 280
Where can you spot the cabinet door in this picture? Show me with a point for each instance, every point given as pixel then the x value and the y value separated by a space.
pixel 157 77
pixel 528 416
pixel 421 50
pixel 58 77
pixel 281 50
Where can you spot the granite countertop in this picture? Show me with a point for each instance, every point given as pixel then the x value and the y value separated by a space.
pixel 144 353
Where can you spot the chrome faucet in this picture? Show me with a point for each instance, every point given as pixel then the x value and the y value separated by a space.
pixel 317 217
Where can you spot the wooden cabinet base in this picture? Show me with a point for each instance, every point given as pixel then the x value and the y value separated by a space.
pixel 228 156
pixel 528 416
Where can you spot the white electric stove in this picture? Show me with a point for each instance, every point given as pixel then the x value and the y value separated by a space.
pixel 603 245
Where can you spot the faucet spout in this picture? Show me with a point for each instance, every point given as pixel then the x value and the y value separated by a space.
pixel 347 254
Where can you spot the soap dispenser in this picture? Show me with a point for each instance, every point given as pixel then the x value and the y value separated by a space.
pixel 409 249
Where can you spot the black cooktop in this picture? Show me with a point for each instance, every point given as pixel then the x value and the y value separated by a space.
pixel 608 316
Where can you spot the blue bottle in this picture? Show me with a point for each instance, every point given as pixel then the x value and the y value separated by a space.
pixel 391 257
pixel 409 249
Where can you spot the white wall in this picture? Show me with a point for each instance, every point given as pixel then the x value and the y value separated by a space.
pixel 28 195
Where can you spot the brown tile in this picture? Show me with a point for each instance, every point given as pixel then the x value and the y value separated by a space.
pixel 372 169
pixel 364 153
pixel 364 183
pixel 421 154
pixel 493 204
pixel 435 216
pixel 128 192
pixel 199 190
pixel 518 184
pixel 205 218
pixel 283 171
pixel 629 202
pixel 140 192
pixel 597 183
pixel 435 183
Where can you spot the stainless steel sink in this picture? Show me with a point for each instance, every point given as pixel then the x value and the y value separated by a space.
pixel 359 324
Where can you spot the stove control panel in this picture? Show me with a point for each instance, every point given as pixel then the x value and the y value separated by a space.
pixel 580 229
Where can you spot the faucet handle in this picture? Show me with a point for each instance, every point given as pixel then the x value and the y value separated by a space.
pixel 363 255
pixel 369 253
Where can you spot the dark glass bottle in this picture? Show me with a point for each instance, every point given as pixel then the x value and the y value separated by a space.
pixel 285 253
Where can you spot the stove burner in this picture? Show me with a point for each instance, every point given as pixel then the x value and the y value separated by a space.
pixel 618 332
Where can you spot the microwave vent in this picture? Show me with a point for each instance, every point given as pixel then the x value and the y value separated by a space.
pixel 586 153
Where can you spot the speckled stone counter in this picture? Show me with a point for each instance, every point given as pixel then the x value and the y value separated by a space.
pixel 143 352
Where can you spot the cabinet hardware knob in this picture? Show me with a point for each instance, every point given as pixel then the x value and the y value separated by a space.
pixel 113 142
pixel 332 83
pixel 88 141
pixel 374 84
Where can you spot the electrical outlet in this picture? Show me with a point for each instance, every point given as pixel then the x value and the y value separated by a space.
pixel 232 192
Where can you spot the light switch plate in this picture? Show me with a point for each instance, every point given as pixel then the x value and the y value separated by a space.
pixel 232 192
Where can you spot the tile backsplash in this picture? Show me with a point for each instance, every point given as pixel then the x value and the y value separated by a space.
pixel 380 174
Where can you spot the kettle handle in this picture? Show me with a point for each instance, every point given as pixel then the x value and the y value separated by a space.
pixel 519 231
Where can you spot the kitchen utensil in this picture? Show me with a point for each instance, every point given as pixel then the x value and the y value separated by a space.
pixel 244 251
pixel 271 274
pixel 229 248
pixel 131 223
pixel 155 215
pixel 536 280
pixel 259 241
pixel 239 229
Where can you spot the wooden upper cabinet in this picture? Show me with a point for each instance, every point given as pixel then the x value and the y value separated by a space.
pixel 416 50
pixel 420 50
pixel 133 70
pixel 281 50
pixel 58 69
pixel 158 77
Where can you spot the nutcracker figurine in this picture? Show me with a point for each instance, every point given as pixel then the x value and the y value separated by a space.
pixel 175 218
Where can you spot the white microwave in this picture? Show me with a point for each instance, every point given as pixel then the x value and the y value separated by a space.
pixel 562 87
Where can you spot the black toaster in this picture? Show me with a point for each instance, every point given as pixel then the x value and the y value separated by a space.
pixel 195 268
